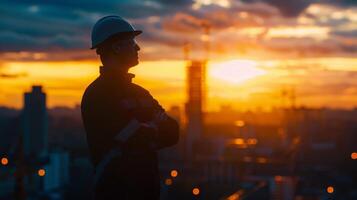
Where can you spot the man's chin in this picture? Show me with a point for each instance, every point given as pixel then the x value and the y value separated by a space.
pixel 134 63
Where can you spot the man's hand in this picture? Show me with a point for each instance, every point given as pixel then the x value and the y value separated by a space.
pixel 157 118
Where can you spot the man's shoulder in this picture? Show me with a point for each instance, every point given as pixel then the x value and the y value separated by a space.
pixel 140 90
pixel 92 88
pixel 93 93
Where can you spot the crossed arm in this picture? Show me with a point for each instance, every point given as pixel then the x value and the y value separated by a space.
pixel 158 132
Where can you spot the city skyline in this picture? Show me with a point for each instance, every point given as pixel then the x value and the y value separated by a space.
pixel 259 98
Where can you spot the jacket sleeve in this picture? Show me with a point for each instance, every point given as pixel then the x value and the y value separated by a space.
pixel 139 136
pixel 167 130
pixel 164 133
pixel 167 133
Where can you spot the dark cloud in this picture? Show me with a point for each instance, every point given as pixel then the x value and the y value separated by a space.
pixel 177 2
pixel 306 47
pixel 341 3
pixel 12 42
pixel 48 25
pixel 183 22
pixel 5 75
pixel 345 33
pixel 57 27
pixel 58 55
pixel 349 48
pixel 161 39
pixel 292 8
pixel 124 7
pixel 219 18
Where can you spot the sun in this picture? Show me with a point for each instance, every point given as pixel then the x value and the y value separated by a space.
pixel 236 71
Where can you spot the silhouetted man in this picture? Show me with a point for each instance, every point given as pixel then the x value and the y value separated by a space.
pixel 125 125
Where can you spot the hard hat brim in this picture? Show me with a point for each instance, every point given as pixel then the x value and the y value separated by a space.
pixel 134 33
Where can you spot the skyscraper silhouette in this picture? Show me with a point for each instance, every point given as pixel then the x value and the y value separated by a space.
pixel 35 123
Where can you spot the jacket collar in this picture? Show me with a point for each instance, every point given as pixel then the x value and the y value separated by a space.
pixel 119 77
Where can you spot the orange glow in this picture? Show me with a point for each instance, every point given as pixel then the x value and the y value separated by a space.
pixel 196 191
pixel 239 141
pixel 235 196
pixel 4 161
pixel 354 155
pixel 330 189
pixel 252 141
pixel 168 181
pixel 243 146
pixel 174 173
pixel 300 31
pixel 247 159
pixel 262 160
pixel 41 172
pixel 236 71
pixel 278 178
pixel 64 82
pixel 239 123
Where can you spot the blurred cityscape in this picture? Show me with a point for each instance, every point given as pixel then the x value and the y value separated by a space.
pixel 288 153
pixel 282 73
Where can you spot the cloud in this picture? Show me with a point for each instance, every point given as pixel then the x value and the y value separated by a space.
pixel 32 25
pixel 5 75
pixel 307 47
pixel 341 2
pixel 58 27
pixel 291 8
pixel 330 82
pixel 345 33
pixel 177 2
pixel 12 42
pixel 55 55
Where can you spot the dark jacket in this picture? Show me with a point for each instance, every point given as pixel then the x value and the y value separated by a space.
pixel 109 104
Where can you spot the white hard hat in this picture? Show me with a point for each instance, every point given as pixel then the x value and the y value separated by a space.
pixel 109 26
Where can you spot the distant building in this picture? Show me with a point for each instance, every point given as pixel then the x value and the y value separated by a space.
pixel 196 82
pixel 35 123
pixel 57 171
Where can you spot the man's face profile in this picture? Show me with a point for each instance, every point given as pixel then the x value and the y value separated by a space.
pixel 127 51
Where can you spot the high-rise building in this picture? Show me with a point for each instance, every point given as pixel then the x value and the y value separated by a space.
pixel 35 123
pixel 196 83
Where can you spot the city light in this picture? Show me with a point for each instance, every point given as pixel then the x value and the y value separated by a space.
pixel 239 123
pixel 330 189
pixel 238 141
pixel 252 141
pixel 354 156
pixel 262 160
pixel 196 191
pixel 247 159
pixel 278 178
pixel 41 172
pixel 168 181
pixel 4 161
pixel 174 173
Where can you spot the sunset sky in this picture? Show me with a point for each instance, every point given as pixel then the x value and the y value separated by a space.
pixel 259 48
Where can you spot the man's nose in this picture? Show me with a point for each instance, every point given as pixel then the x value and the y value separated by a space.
pixel 137 48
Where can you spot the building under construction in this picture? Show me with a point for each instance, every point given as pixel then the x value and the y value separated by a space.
pixel 196 95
